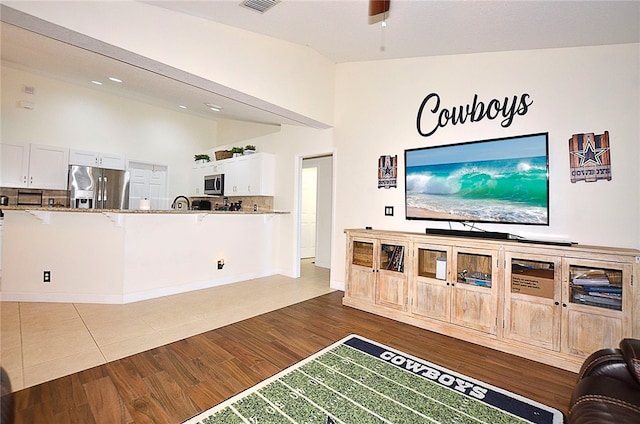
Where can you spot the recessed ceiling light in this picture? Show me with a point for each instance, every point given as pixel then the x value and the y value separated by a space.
pixel 182 106
pixel 213 107
pixel 96 82
pixel 114 79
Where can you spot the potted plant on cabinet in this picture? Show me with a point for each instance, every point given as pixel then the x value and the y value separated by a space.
pixel 237 151
pixel 249 149
pixel 202 158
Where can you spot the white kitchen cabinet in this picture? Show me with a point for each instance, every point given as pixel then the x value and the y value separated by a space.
pixel 99 159
pixel 196 181
pixel 15 165
pixel 34 166
pixel 249 175
pixel 198 172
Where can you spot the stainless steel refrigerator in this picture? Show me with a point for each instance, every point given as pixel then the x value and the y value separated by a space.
pixel 98 188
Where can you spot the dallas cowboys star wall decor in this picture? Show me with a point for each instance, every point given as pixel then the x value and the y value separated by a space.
pixel 388 171
pixel 590 157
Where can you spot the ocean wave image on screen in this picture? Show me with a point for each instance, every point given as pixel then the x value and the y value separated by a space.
pixel 513 190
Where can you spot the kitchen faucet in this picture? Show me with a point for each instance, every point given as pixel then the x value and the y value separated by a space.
pixel 173 205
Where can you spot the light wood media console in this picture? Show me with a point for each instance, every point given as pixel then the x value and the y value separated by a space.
pixel 552 304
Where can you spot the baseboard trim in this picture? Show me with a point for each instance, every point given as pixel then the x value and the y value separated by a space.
pixel 126 297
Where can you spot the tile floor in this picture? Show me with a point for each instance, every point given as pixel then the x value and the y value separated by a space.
pixel 43 341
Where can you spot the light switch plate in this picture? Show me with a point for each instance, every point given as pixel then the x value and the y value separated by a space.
pixel 388 211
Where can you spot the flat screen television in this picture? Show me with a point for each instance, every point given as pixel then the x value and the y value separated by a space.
pixel 502 180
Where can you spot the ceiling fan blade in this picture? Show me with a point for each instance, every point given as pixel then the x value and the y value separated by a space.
pixel 377 7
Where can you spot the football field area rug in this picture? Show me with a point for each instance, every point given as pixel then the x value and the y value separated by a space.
pixel 359 381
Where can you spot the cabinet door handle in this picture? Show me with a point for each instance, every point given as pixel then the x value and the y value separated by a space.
pixel 557 303
pixel 564 305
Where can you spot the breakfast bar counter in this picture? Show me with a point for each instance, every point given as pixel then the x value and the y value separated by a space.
pixel 139 211
pixel 122 256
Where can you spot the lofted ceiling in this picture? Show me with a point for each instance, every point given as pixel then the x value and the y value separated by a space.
pixel 339 30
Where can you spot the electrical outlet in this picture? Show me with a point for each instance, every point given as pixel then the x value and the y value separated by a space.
pixel 46 277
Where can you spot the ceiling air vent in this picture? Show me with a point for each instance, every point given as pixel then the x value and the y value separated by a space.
pixel 259 5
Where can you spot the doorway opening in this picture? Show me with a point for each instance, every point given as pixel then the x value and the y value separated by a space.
pixel 316 211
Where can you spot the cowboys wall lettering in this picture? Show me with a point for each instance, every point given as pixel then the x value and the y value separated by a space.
pixel 432 116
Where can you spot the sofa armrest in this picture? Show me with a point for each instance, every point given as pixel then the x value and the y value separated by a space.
pixel 630 349
pixel 604 400
pixel 603 362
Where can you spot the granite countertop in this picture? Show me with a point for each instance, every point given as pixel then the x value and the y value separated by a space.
pixel 138 211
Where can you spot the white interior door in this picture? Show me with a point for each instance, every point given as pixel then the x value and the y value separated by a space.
pixel 148 181
pixel 308 212
pixel 138 187
pixel 158 189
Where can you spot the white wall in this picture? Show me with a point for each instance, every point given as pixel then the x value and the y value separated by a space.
pixel 233 132
pixel 290 146
pixel 589 89
pixel 269 69
pixel 71 116
pixel 86 262
pixel 124 258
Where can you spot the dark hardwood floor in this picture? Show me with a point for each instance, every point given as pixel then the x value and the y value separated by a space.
pixel 171 383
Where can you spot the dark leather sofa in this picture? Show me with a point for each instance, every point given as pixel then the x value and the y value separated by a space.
pixel 6 398
pixel 608 388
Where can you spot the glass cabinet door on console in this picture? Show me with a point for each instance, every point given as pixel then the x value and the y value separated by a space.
pixel 377 272
pixel 474 299
pixel 391 288
pixel 533 296
pixel 431 289
pixel 361 271
pixel 595 294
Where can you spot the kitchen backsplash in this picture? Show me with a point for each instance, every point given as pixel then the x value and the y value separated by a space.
pixel 60 198
pixel 263 203
pixel 33 197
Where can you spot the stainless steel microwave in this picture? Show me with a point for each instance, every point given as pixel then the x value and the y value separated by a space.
pixel 214 184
